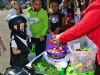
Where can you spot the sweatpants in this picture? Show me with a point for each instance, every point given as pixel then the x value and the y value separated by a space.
pixel 40 46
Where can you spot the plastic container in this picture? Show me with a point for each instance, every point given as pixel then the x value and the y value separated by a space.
pixel 70 71
pixel 84 60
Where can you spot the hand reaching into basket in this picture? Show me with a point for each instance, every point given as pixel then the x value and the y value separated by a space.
pixel 57 39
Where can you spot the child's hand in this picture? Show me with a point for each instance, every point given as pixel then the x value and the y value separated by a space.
pixel 2 45
pixel 41 38
pixel 57 31
pixel 49 30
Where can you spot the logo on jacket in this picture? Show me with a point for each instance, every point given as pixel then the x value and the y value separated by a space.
pixel 33 20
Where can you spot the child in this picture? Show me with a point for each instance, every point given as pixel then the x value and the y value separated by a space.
pixel 12 11
pixel 64 7
pixel 38 25
pixel 69 14
pixel 2 45
pixel 16 10
pixel 19 48
pixel 56 19
pixel 20 12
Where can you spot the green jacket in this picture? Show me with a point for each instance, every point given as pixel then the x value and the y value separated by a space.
pixel 38 22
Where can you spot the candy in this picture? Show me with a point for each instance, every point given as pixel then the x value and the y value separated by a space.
pixel 83 60
pixel 54 51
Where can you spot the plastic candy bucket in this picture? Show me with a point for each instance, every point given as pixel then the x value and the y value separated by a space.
pixel 84 60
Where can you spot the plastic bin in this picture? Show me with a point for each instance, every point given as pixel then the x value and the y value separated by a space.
pixel 70 71
pixel 82 61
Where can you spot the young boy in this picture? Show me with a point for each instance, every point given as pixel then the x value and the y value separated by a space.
pixel 18 45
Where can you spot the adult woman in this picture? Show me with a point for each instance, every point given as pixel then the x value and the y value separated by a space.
pixel 89 26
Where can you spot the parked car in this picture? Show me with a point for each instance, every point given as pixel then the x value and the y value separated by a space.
pixel 22 4
pixel 7 7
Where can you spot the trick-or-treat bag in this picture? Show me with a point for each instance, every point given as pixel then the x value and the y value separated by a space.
pixel 82 54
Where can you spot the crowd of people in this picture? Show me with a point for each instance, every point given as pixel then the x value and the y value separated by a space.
pixel 38 25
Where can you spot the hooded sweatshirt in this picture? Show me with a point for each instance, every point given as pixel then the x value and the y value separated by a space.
pixel 38 22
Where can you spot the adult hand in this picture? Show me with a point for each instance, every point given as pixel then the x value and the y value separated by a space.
pixel 41 38
pixel 57 39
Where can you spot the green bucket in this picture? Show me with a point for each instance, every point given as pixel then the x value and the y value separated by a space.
pixel 32 50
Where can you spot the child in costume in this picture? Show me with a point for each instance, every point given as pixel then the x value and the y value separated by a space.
pixel 19 48
pixel 20 12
